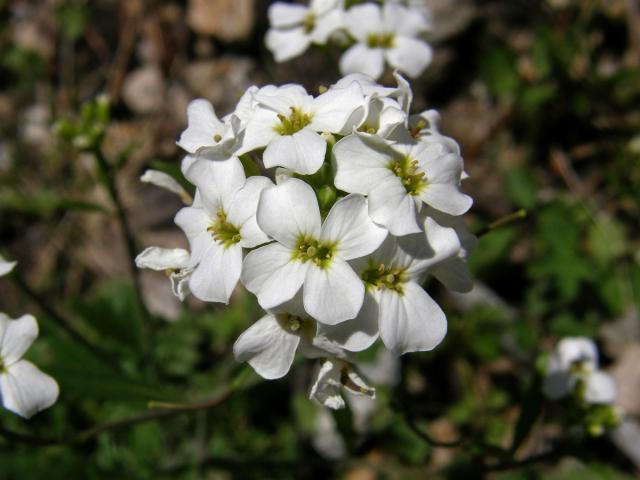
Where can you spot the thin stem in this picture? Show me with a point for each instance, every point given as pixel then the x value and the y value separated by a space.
pixel 501 222
pixel 89 433
pixel 64 323
pixel 132 250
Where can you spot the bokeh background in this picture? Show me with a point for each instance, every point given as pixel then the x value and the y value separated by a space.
pixel 544 99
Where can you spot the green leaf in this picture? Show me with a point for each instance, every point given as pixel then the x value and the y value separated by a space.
pixel 529 412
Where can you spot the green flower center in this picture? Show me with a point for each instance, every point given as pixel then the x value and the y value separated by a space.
pixel 309 23
pixel 380 40
pixel 406 170
pixel 304 327
pixel 224 232
pixel 378 276
pixel 309 249
pixel 2 367
pixel 295 122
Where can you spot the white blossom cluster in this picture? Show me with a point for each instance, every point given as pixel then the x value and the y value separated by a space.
pixel 357 203
pixel 573 369
pixel 24 389
pixel 376 34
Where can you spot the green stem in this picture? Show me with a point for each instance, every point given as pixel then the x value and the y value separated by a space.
pixel 501 222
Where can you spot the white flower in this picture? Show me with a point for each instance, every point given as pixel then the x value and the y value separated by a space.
pixel 287 120
pixel 205 130
pixel 270 344
pixel 5 266
pixel 24 389
pixel 408 318
pixel 334 375
pixel 306 252
pixel 163 180
pixel 173 261
pixel 295 27
pixel 574 362
pixel 399 177
pixel 386 33
pixel 220 225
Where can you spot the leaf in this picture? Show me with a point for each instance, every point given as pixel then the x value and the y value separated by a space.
pixel 529 412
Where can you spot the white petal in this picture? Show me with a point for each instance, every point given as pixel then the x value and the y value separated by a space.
pixel 217 181
pixel 349 225
pixel 6 266
pixel 286 44
pixel 333 294
pixel 332 109
pixel 271 274
pixel 326 387
pixel 446 198
pixel 392 207
pixel 288 211
pixel 260 130
pixel 180 283
pixel 16 336
pixel 360 164
pixel 243 208
pixel 410 55
pixel 282 15
pixel 398 18
pixel 160 259
pixel 576 349
pixel 454 274
pixel 600 388
pixel 361 59
pixel 203 126
pixel 411 322
pixel 361 20
pixel 217 274
pixel 26 390
pixel 440 165
pixel 326 25
pixel 194 223
pixel 281 99
pixel 268 348
pixel 358 334
pixel 167 182
pixel 303 152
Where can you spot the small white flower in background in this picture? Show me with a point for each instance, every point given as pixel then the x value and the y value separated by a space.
pixel 288 122
pixel 163 180
pixel 385 34
pixel 309 253
pixel 295 27
pixel 333 375
pixel 399 177
pixel 574 364
pixel 220 225
pixel 173 261
pixel 24 389
pixel 6 266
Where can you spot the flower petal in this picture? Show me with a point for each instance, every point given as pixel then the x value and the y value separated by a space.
pixel 359 333
pixel 6 266
pixel 411 322
pixel 349 225
pixel 271 274
pixel 446 198
pixel 243 208
pixel 217 274
pixel 332 109
pixel 26 390
pixel 303 152
pixel 194 223
pixel 267 347
pixel 333 294
pixel 16 336
pixel 162 180
pixel 409 55
pixel 360 59
pixel 203 126
pixel 600 388
pixel 282 15
pixel 217 181
pixel 160 259
pixel 392 207
pixel 361 20
pixel 286 44
pixel 326 387
pixel 260 130
pixel 288 211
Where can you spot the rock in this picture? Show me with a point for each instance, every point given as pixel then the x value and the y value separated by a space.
pixel 626 374
pixel 229 20
pixel 143 90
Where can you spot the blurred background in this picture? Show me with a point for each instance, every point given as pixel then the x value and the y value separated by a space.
pixel 543 97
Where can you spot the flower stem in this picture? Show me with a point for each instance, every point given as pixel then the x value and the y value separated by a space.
pixel 501 222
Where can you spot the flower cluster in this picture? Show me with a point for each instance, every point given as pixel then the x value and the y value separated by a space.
pixel 375 34
pixel 572 373
pixel 356 205
pixel 24 389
